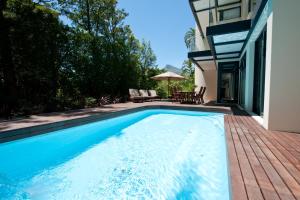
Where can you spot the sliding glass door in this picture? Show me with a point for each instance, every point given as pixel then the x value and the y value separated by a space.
pixel 259 74
pixel 228 79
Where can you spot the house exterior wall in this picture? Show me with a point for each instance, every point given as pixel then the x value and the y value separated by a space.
pixel 282 70
pixel 208 79
pixel 200 42
pixel 282 94
pixel 282 105
pixel 250 57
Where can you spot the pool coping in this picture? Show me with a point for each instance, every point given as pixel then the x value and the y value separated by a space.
pixel 21 133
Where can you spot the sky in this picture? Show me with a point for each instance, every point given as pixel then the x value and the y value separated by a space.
pixel 163 23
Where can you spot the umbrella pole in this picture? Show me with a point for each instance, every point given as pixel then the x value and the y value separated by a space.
pixel 168 87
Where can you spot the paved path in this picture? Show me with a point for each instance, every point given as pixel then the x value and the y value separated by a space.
pixel 47 118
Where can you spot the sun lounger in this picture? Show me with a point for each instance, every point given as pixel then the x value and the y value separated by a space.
pixel 135 96
pixel 153 94
pixel 144 94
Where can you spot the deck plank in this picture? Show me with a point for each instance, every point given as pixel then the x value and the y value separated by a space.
pixel 264 183
pixel 284 168
pixel 237 182
pixel 253 190
pixel 269 161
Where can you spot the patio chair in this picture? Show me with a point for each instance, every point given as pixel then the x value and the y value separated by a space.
pixel 153 94
pixel 199 97
pixel 135 96
pixel 175 94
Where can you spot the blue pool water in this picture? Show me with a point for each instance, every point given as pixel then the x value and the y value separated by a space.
pixel 151 154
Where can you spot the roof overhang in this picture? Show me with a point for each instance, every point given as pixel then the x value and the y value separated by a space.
pixel 201 55
pixel 199 6
pixel 227 40
pixel 203 59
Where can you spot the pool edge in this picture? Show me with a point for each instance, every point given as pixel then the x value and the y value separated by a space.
pixel 21 133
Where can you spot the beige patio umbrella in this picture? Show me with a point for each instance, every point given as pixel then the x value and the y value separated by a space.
pixel 168 76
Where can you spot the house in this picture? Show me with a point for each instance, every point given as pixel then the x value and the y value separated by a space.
pixel 247 52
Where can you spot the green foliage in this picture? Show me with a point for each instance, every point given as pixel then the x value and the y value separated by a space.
pixel 188 71
pixel 189 38
pixel 48 66
pixel 90 102
pixel 35 39
pixel 147 66
pixel 162 90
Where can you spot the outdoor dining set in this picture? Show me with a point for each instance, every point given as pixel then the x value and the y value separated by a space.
pixel 189 97
pixel 176 96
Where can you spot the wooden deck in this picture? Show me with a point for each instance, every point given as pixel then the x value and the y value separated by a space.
pixel 263 164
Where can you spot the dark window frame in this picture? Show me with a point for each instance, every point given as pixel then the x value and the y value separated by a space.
pixel 228 67
pixel 259 73
pixel 221 13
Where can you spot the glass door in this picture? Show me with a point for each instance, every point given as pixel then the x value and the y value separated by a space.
pixel 259 74
pixel 228 79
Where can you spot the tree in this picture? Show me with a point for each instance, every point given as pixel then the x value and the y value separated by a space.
pixel 147 65
pixel 7 69
pixel 108 46
pixel 189 38
pixel 29 55
pixel 188 71
pixel 47 66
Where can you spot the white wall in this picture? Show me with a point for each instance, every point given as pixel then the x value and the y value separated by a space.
pixel 202 43
pixel 283 86
pixel 207 79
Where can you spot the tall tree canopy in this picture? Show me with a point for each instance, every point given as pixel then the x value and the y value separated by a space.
pixel 47 65
pixel 189 38
pixel 148 67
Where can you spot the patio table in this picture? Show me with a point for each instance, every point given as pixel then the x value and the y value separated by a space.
pixel 186 97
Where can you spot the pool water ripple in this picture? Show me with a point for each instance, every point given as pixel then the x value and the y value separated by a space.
pixel 162 155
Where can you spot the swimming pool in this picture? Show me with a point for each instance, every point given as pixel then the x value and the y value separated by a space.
pixel 150 154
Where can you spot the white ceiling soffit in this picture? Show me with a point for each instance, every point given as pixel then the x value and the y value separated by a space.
pixel 203 4
pixel 231 55
pixel 229 48
pixel 203 58
pixel 230 37
pixel 223 2
pixel 207 65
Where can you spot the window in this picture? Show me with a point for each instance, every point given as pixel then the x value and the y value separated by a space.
pixel 230 13
pixel 211 19
pixel 249 5
pixel 253 4
pixel 259 73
